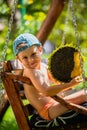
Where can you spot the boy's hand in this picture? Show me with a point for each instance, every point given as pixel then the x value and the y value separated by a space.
pixel 76 80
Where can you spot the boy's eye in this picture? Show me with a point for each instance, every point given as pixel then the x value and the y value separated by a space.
pixel 24 57
pixel 34 54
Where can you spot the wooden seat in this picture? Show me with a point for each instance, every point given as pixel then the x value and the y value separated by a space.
pixel 12 89
pixel 21 111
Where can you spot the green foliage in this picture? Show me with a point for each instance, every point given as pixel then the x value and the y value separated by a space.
pixel 30 14
pixel 9 121
pixel 29 17
pixel 81 20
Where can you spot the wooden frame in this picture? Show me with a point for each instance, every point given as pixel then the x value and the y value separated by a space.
pixel 15 99
pixel 21 111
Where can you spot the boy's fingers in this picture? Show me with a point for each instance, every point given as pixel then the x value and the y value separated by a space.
pixel 79 79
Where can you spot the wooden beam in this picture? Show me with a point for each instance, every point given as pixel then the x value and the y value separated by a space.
pixel 51 18
pixel 15 102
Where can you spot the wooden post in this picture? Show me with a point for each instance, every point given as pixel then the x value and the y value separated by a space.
pixel 15 102
pixel 52 16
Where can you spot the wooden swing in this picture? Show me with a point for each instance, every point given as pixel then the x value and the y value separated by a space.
pixel 21 111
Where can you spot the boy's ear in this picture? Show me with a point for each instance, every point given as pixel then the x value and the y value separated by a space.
pixel 40 49
pixel 18 58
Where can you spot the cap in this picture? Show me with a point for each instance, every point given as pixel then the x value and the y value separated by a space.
pixel 28 39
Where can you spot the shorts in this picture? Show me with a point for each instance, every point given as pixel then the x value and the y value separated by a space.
pixel 44 111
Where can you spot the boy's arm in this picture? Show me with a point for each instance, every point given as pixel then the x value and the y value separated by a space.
pixel 38 81
pixel 53 90
pixel 52 79
pixel 18 71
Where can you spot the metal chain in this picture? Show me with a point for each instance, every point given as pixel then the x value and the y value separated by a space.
pixel 66 23
pixel 8 34
pixel 78 42
pixel 71 8
pixel 6 46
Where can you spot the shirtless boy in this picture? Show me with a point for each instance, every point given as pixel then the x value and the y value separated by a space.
pixel 28 50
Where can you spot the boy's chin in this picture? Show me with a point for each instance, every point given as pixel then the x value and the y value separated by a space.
pixel 32 67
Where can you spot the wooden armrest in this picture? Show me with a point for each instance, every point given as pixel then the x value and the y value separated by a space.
pixel 71 106
pixel 21 78
pixel 16 77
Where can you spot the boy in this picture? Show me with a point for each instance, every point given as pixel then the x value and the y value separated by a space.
pixel 39 92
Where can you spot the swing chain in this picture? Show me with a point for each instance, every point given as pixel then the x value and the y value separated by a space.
pixel 8 34
pixel 71 8
pixel 78 42
pixel 66 23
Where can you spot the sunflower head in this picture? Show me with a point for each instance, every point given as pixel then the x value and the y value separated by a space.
pixel 64 63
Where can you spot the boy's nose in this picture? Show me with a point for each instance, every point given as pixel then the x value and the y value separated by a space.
pixel 30 59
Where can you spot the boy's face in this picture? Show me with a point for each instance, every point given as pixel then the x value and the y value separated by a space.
pixel 31 57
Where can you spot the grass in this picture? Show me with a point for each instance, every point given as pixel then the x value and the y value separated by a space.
pixel 9 122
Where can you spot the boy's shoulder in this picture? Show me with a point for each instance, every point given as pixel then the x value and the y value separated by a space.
pixel 44 68
pixel 44 65
pixel 16 64
pixel 44 60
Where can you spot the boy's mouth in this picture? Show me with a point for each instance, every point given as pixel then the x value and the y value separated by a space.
pixel 33 65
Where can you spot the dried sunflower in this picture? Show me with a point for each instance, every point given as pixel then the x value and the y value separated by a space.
pixel 64 63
